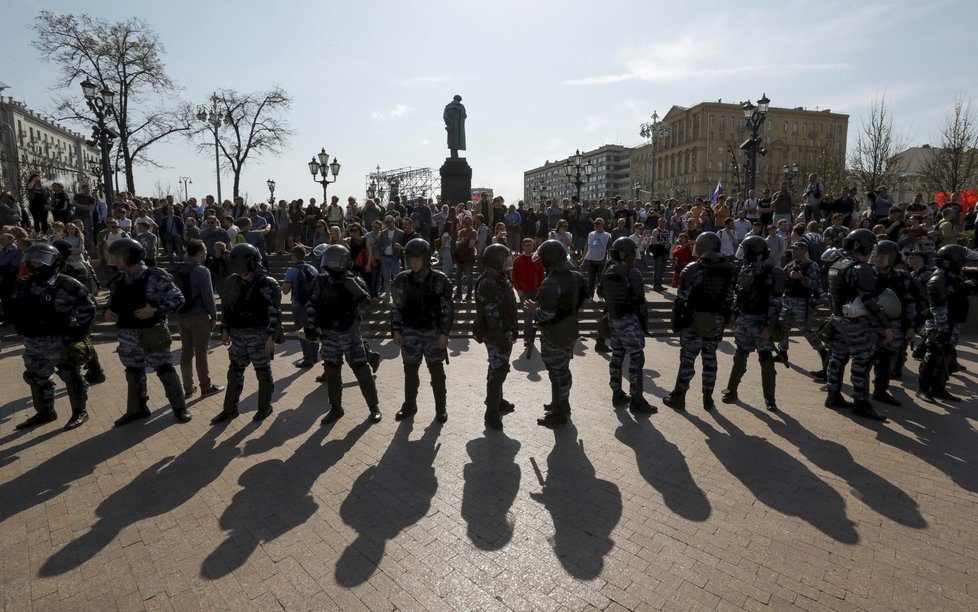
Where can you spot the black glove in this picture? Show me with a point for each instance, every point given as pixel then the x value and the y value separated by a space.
pixel 312 334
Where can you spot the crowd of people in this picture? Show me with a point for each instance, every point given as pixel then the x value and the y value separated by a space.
pixel 764 261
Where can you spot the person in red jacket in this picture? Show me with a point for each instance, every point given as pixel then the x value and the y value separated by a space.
pixel 682 253
pixel 527 276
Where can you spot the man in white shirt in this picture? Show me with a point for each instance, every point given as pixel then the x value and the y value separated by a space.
pixel 728 239
pixel 595 253
pixel 750 207
pixel 742 225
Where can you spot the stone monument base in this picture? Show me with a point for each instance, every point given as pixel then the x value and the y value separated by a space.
pixel 456 181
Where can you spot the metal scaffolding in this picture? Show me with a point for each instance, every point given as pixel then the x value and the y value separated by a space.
pixel 410 182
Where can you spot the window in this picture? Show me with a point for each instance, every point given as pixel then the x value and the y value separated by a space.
pixel 794 128
pixel 723 123
pixel 711 121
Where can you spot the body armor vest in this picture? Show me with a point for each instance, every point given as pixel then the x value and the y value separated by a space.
pixel 795 287
pixel 127 298
pixel 335 307
pixel 754 290
pixel 247 308
pixel 840 291
pixel 617 290
pixel 711 295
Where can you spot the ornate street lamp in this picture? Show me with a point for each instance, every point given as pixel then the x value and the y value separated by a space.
pixel 577 171
pixel 101 105
pixel 790 173
pixel 324 168
pixel 654 131
pixel 271 192
pixel 754 118
pixel 186 180
pixel 213 118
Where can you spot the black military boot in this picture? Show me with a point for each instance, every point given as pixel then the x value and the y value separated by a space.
pixel 369 389
pixel 601 347
pixel 676 400
pixel 708 403
pixel 494 396
pixel 231 396
pixel 639 405
pixel 820 375
pixel 836 400
pixel 729 395
pixel 334 390
pixel 265 388
pixel 619 398
pixel 95 374
pixel 440 391
pixel 174 393
pixel 865 409
pixel 783 357
pixel 137 397
pixel 883 396
pixel 42 394
pixel 411 383
pixel 769 377
pixel 557 416
pixel 78 398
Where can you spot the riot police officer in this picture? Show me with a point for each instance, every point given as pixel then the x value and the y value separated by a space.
pixel 559 299
pixel 757 303
pixel 920 273
pixel 496 326
pixel 140 298
pixel 947 297
pixel 703 305
pixel 421 318
pixel 82 272
pixel 802 290
pixel 333 318
pixel 855 337
pixel 623 290
pixel 885 257
pixel 251 320
pixel 53 313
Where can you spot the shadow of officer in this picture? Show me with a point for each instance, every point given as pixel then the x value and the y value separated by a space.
pixel 492 481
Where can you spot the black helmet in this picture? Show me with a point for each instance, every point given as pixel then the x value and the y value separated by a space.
pixel 550 252
pixel 860 241
pixel 496 257
pixel 64 247
pixel 336 258
pixel 753 249
pixel 890 250
pixel 130 250
pixel 244 258
pixel 707 244
pixel 832 255
pixel 950 257
pixel 418 248
pixel 624 249
pixel 800 244
pixel 46 255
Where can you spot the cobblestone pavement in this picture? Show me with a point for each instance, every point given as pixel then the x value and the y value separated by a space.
pixel 738 509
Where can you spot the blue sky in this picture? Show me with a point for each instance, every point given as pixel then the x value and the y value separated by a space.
pixel 538 78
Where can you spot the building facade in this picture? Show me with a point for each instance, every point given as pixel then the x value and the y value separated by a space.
pixel 611 176
pixel 703 148
pixel 31 142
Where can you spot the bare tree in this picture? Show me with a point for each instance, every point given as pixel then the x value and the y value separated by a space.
pixel 954 164
pixel 252 126
pixel 870 161
pixel 123 57
pixel 831 170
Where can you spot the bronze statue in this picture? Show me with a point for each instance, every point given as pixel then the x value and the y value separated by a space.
pixel 455 125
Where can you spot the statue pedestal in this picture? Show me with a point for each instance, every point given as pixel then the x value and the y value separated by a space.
pixel 456 181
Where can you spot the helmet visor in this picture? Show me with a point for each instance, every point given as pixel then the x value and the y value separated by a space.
pixel 43 257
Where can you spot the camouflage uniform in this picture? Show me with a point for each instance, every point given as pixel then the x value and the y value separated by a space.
pixel 854 338
pixel 333 315
pixel 251 314
pixel 82 272
pixel 703 305
pixel 54 317
pixel 888 355
pixel 496 326
pixel 422 310
pixel 622 288
pixel 559 298
pixel 799 302
pixel 758 307
pixel 948 307
pixel 145 343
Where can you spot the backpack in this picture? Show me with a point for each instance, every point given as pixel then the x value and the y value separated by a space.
pixel 181 274
pixel 303 288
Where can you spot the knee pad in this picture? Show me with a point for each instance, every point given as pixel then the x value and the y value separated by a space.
pixel 763 356
pixel 34 379
pixel 337 364
pixel 135 371
pixel 165 369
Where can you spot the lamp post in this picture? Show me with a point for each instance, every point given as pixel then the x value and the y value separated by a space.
pixel 372 189
pixel 213 118
pixel 324 168
pixel 186 180
pixel 578 172
pixel 654 131
pixel 790 172
pixel 271 192
pixel 754 116
pixel 101 105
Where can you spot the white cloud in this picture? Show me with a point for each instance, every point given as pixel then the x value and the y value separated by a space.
pixel 593 123
pixel 424 80
pixel 424 142
pixel 397 112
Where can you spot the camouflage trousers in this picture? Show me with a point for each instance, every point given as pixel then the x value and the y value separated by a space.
pixel 556 358
pixel 248 347
pixel 421 343
pixel 887 356
pixel 856 340
pixel 747 335
pixel 692 345
pixel 627 338
pixel 796 312
pixel 133 355
pixel 41 357
pixel 335 345
pixel 500 352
